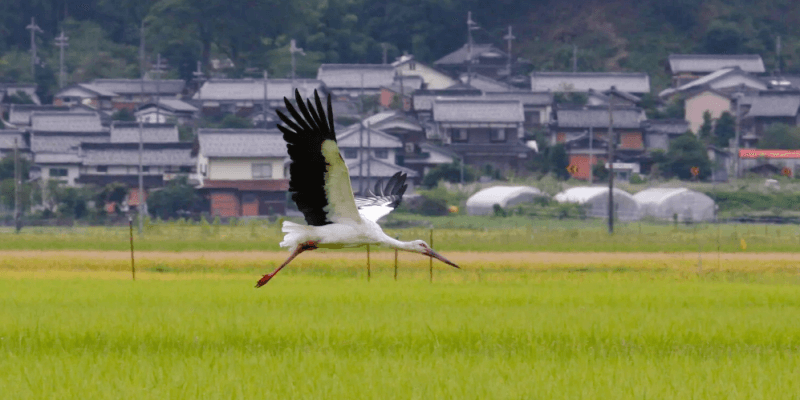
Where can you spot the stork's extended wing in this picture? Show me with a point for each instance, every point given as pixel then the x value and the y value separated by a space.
pixel 320 181
pixel 383 199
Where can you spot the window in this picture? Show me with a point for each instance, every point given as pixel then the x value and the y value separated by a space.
pixel 498 135
pixel 262 171
pixel 350 153
pixel 412 66
pixel 58 172
pixel 102 168
pixel 249 198
pixel 382 154
pixel 187 170
pixel 459 135
pixel 145 168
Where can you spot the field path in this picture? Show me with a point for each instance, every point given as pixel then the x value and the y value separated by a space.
pixel 455 256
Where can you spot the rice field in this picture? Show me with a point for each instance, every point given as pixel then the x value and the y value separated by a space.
pixel 73 325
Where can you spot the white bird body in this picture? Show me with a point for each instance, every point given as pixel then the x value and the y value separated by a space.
pixel 320 186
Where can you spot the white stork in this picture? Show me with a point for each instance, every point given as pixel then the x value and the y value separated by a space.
pixel 320 186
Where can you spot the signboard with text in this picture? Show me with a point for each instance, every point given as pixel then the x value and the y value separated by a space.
pixel 756 153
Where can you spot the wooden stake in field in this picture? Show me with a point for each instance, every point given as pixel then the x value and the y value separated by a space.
pixel 368 269
pixel 395 264
pixel 430 262
pixel 133 267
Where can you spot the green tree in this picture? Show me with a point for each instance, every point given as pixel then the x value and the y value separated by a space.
pixel 233 121
pixel 780 136
pixel 449 172
pixel 176 198
pixel 707 127
pixel 724 130
pixel 559 161
pixel 685 152
pixel 123 114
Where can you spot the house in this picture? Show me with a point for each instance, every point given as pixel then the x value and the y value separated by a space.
pixel 87 94
pixel 483 131
pixel 118 162
pixel 433 78
pixel 19 115
pixel 165 110
pixel 398 124
pixel 243 172
pixel 401 88
pixel 583 130
pixel 595 98
pixel 245 97
pixel 55 140
pixel 537 106
pixel 659 132
pixel 11 92
pixel 485 59
pixel 422 100
pixel 686 68
pixel 128 132
pixel 425 156
pixel 727 80
pixel 780 107
pixel 637 83
pixel 371 155
pixel 10 139
pixel 352 80
pixel 705 99
pixel 132 92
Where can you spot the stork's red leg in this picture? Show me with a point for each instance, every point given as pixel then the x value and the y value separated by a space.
pixel 310 245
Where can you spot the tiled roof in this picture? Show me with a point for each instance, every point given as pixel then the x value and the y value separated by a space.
pixel 423 99
pixel 378 169
pixel 12 88
pixel 598 117
pixel 527 98
pixel 128 132
pixel 173 105
pixel 709 80
pixel 477 110
pixel 267 185
pixel 59 142
pixel 785 105
pixel 348 76
pixel 66 122
pixel 486 84
pixel 375 138
pixel 668 126
pixel 460 56
pixel 707 63
pixel 134 86
pixel 242 143
pixel 7 137
pixel 131 181
pixel 632 82
pixel 171 154
pixel 253 89
pixel 20 114
pixel 98 90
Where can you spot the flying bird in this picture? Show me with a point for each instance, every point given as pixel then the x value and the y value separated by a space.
pixel 320 186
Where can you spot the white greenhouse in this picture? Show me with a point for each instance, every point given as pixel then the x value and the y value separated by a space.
pixel 664 203
pixel 595 198
pixel 482 203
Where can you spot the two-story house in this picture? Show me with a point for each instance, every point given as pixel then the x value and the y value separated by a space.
pixel 422 100
pixel 537 106
pixel 433 78
pixel 243 172
pixel 768 108
pixel 166 110
pixel 11 139
pixel 86 94
pixel 483 131
pixel 636 83
pixel 246 97
pixel 371 155
pixel 55 140
pixel 584 130
pixel 132 92
pixel 353 80
pixel 485 59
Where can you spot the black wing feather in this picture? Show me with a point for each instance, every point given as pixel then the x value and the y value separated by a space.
pixel 304 138
pixel 390 195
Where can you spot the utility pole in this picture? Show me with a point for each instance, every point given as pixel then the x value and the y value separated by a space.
pixel 294 49
pixel 61 42
pixel 385 47
pixel 778 53
pixel 361 140
pixel 591 153
pixel 611 145
pixel 471 26
pixel 265 98
pixel 737 168
pixel 369 157
pixel 509 37
pixel 158 68
pixel 17 183
pixel 198 75
pixel 141 133
pixel 574 58
pixel 34 29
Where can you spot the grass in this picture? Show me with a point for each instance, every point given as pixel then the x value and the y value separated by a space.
pixel 461 233
pixel 623 331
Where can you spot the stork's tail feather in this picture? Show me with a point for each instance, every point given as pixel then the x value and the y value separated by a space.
pixel 295 234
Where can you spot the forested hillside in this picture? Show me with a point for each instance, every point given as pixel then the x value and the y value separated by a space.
pixel 615 35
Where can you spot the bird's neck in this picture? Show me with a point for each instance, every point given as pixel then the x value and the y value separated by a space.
pixel 397 244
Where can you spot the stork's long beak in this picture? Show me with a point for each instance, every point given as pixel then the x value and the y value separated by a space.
pixel 432 253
